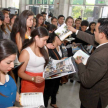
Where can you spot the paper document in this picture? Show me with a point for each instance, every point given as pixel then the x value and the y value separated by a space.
pixel 83 55
pixel 63 32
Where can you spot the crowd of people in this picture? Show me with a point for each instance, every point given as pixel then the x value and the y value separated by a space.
pixel 32 41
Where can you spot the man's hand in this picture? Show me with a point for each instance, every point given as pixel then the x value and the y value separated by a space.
pixel 50 46
pixel 78 59
pixel 72 29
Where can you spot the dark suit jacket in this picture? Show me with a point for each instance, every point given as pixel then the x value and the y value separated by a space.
pixel 94 76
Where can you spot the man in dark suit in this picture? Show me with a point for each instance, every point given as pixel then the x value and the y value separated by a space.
pixel 44 18
pixel 94 76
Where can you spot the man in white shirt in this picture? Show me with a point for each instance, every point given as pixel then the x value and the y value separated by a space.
pixel 61 20
pixel 94 76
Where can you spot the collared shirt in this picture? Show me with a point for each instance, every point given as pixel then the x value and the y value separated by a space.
pixel 7 79
pixel 9 90
pixel 77 32
pixel 58 25
pixel 101 44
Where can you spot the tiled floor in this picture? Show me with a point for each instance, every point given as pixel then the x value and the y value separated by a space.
pixel 68 96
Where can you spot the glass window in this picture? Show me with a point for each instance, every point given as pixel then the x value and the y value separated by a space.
pixel 30 1
pixel 44 1
pixel 76 2
pixel 35 1
pixel 100 2
pixel 105 12
pixel 51 1
pixel 88 12
pixel 27 1
pixel 44 8
pixel 51 8
pixel 90 2
pixel 106 2
pixel 39 1
pixel 77 11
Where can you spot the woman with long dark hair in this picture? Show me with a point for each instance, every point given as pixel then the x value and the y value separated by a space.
pixel 52 85
pixel 15 29
pixel 91 28
pixel 39 21
pixel 12 19
pixel 35 58
pixel 25 26
pixel 8 88
pixel 6 28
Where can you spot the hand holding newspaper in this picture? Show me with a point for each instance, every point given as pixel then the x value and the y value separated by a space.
pixel 83 55
pixel 63 32
pixel 59 68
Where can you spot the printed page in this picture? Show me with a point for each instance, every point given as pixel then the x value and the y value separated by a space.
pixel 63 67
pixel 32 99
pixel 63 32
pixel 83 55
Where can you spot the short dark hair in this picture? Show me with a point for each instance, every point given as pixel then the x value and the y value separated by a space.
pixel 50 14
pixel 43 13
pixel 85 23
pixel 103 28
pixel 100 20
pixel 61 16
pixel 53 18
pixel 6 9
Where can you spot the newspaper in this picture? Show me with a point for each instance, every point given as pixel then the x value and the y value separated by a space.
pixel 63 32
pixel 59 68
pixel 32 100
pixel 83 55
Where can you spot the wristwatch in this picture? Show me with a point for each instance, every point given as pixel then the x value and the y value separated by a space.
pixel 33 79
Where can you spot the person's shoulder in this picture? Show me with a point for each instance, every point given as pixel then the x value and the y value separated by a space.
pixel 25 52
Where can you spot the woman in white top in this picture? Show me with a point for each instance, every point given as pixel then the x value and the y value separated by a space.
pixel 35 58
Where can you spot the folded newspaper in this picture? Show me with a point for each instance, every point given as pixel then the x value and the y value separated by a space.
pixel 63 32
pixel 32 100
pixel 59 68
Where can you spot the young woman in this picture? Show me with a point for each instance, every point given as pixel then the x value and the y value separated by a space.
pixel 35 58
pixel 8 88
pixel 69 21
pixel 25 26
pixel 39 21
pixel 54 21
pixel 12 19
pixel 52 86
pixel 91 28
pixel 6 28
pixel 78 24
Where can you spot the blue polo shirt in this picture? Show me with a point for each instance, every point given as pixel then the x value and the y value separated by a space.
pixel 9 89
